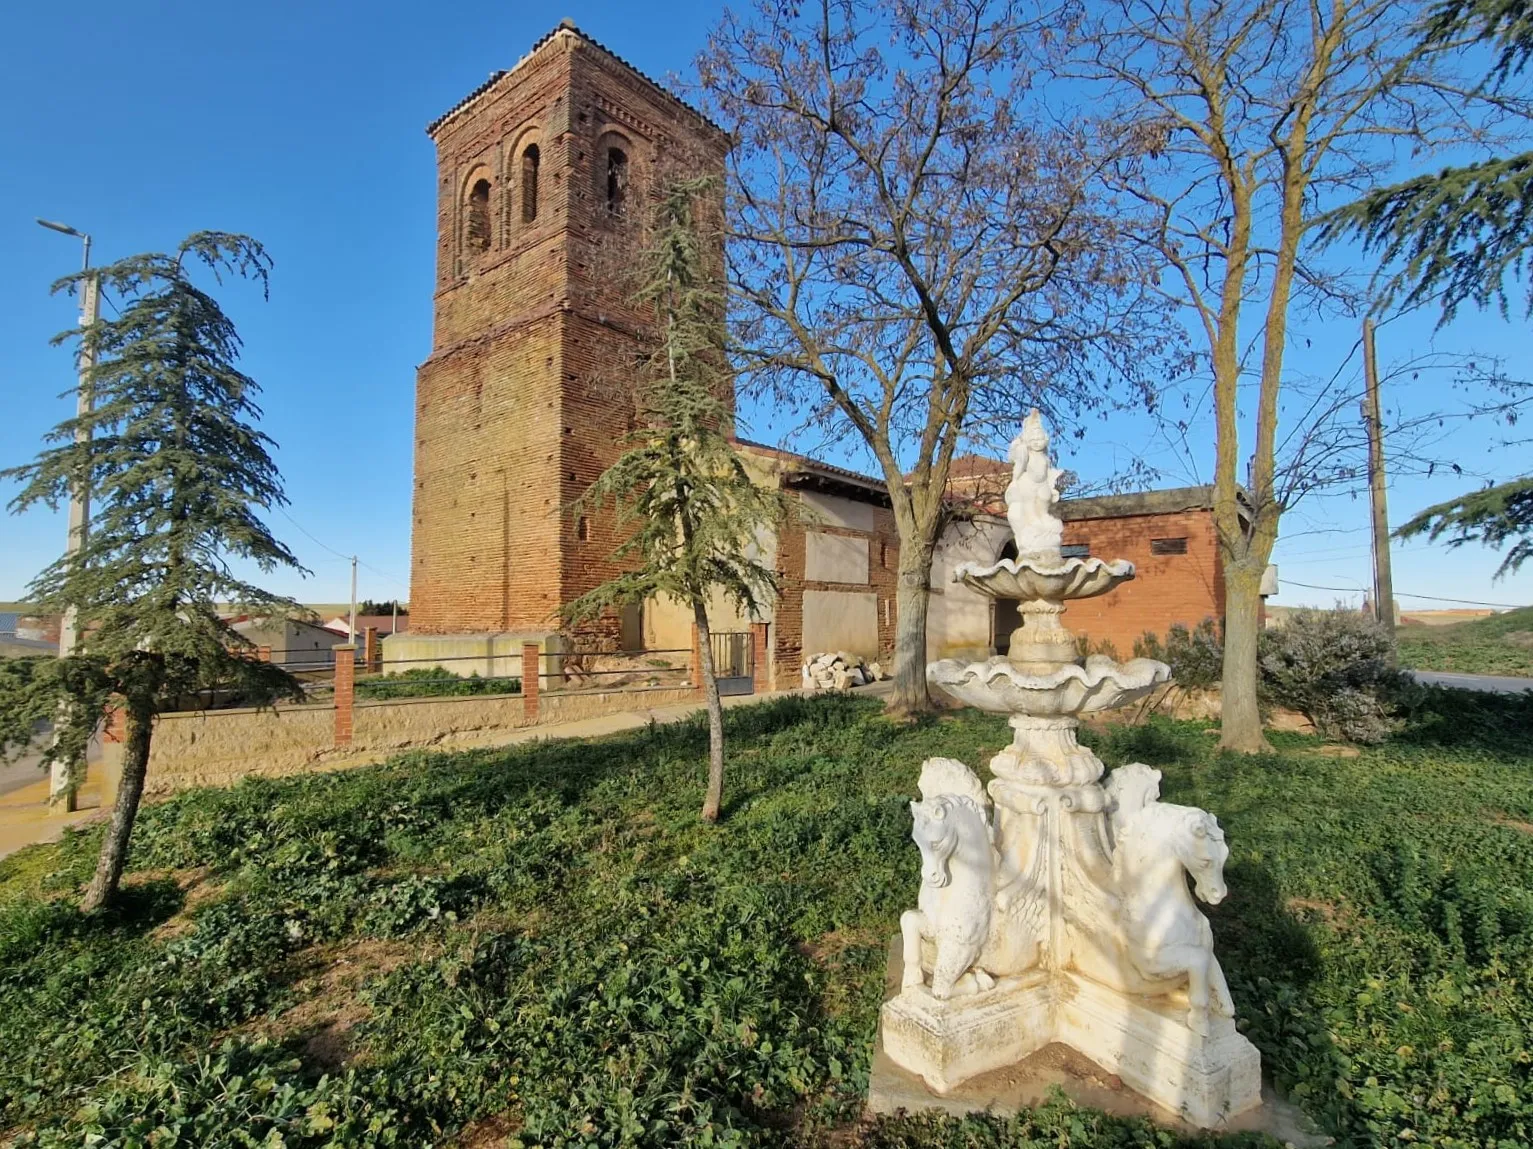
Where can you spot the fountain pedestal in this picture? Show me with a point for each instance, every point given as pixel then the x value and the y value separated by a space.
pixel 1053 907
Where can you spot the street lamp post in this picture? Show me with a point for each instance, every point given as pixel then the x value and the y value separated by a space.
pixel 63 783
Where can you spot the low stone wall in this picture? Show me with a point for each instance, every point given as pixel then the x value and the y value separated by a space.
pixel 403 723
pixel 219 747
pixel 572 705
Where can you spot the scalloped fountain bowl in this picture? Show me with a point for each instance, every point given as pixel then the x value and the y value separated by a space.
pixel 998 686
pixel 1030 578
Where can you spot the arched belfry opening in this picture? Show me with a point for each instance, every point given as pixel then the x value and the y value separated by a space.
pixel 530 183
pixel 617 181
pixel 1005 613
pixel 476 231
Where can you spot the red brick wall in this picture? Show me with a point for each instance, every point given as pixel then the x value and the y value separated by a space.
pixel 1166 588
pixel 514 412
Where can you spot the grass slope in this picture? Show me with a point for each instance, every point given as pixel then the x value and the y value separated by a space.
pixel 1498 644
pixel 543 946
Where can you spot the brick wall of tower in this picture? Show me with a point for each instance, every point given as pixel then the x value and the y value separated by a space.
pixel 514 410
pixel 610 106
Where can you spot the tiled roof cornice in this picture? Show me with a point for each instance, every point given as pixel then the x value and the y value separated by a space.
pixel 547 38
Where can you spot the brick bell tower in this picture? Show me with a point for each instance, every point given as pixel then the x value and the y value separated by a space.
pixel 542 175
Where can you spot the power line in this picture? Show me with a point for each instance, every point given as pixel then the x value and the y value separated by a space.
pixel 1404 594
pixel 384 574
pixel 323 546
pixel 345 558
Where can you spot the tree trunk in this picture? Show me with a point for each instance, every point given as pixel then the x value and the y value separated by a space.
pixel 911 596
pixel 114 847
pixel 713 800
pixel 1240 724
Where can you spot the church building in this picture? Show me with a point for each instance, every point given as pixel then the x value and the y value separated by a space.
pixel 542 177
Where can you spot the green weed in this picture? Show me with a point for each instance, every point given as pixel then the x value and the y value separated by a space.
pixel 1499 644
pixel 573 952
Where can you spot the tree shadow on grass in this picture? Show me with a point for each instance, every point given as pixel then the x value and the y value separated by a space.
pixel 29 927
pixel 1158 742
pixel 1270 959
pixel 1438 717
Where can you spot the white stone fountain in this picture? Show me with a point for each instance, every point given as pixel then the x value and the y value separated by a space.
pixel 1065 915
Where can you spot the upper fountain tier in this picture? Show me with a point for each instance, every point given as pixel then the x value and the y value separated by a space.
pixel 1051 579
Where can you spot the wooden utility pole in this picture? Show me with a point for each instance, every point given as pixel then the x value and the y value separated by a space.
pixel 1383 581
pixel 66 777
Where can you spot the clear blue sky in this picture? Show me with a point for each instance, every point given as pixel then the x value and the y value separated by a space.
pixel 303 124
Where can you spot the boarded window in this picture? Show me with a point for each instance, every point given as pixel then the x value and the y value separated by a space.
pixel 530 183
pixel 1076 550
pixel 477 226
pixel 617 180
pixel 1168 546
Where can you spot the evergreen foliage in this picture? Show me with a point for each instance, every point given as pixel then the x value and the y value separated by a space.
pixel 1461 233
pixel 1464 230
pixel 177 474
pixel 387 606
pixel 680 489
pixel 1493 516
pixel 1336 667
pixel 539 945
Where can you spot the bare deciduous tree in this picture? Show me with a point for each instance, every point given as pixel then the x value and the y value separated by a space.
pixel 1255 117
pixel 920 247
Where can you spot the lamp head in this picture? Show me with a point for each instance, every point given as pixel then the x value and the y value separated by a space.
pixel 59 227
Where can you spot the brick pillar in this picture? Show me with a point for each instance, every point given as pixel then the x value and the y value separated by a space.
pixel 116 727
pixel 372 650
pixel 345 683
pixel 531 672
pixel 263 654
pixel 761 674
pixel 697 663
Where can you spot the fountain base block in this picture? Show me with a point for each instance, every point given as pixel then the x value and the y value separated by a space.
pixel 1145 1043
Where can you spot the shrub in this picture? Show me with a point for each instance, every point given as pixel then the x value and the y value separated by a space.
pixel 1196 656
pixel 432 682
pixel 1336 667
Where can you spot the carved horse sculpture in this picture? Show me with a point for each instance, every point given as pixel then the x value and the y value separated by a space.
pixel 1167 937
pixel 961 876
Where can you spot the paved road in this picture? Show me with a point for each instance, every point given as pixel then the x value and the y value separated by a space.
pixel 1491 682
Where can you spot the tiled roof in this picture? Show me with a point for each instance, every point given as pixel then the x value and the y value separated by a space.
pixel 808 464
pixel 564 25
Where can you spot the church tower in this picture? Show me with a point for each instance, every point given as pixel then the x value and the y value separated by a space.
pixel 542 174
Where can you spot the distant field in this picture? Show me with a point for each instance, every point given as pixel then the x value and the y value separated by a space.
pixel 1499 644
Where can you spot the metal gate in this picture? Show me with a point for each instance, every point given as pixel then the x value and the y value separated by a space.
pixel 734 662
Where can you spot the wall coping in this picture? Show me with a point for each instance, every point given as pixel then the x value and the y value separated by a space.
pixel 298 708
pixel 374 703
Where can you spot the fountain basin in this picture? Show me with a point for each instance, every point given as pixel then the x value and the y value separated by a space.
pixel 1054 580
pixel 997 685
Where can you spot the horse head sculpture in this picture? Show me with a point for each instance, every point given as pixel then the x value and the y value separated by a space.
pixel 1203 852
pixel 1166 938
pixel 953 935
